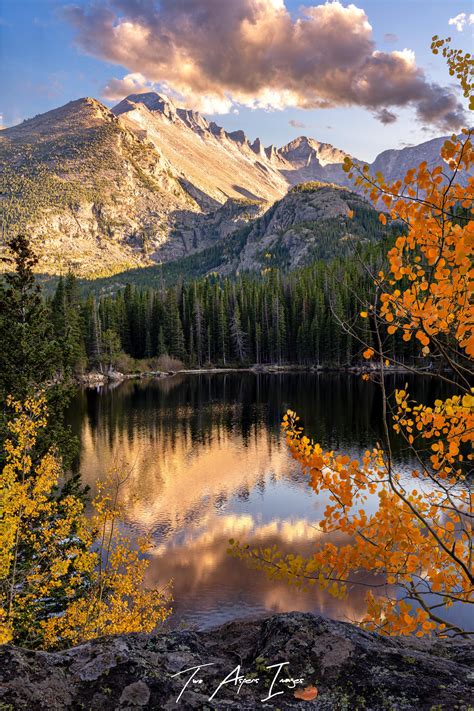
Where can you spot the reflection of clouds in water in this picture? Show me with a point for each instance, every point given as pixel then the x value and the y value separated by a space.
pixel 194 491
pixel 199 564
pixel 233 525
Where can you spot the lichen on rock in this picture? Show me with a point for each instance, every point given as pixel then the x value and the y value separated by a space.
pixel 349 668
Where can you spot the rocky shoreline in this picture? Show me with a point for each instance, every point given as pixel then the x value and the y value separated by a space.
pixel 341 667
pixel 96 379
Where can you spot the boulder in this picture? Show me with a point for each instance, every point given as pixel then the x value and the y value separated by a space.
pixel 286 661
pixel 92 379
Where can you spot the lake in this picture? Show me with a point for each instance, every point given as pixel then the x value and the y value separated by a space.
pixel 206 461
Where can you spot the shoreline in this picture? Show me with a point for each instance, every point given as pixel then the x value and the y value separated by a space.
pixel 99 379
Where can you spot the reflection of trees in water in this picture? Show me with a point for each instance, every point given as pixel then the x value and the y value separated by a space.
pixel 177 474
pixel 339 410
pixel 209 438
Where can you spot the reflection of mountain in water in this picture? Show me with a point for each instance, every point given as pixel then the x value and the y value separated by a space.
pixel 207 463
pixel 177 473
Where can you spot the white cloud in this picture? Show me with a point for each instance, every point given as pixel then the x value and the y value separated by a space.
pixel 461 20
pixel 219 54
pixel 135 83
pixel 296 124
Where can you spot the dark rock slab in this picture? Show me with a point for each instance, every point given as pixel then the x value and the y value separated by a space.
pixel 350 668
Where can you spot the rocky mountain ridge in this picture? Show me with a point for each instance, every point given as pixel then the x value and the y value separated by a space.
pixel 105 190
pixel 263 172
pixel 313 221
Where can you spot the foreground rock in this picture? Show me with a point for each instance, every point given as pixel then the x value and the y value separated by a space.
pixel 351 669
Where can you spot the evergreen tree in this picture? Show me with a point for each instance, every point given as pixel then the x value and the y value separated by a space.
pixel 161 345
pixel 93 332
pixel 28 353
pixel 67 324
pixel 238 336
pixel 30 359
pixel 174 327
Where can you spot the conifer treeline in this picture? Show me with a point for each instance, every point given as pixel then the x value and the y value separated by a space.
pixel 276 318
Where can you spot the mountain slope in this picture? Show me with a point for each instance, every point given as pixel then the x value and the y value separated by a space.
pixel 394 164
pixel 102 191
pixel 221 164
pixel 310 160
pixel 87 188
pixel 311 222
pixel 216 164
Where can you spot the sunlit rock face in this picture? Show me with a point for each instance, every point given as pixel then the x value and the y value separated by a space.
pixel 310 222
pixel 220 165
pixel 87 189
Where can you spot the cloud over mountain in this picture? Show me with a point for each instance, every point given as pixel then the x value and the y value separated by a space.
pixel 217 54
pixel 294 123
pixel 385 116
pixel 134 83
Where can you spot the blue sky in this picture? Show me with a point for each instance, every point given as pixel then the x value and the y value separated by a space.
pixel 44 67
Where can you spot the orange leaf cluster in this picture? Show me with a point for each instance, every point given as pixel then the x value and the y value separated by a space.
pixel 418 537
pixel 428 293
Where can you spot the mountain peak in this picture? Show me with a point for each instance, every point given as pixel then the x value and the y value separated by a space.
pixel 301 141
pixel 164 106
pixel 270 151
pixel 238 137
pixel 257 147
pixel 307 150
pixel 80 112
pixel 217 130
pixel 302 150
pixel 151 100
pixel 193 119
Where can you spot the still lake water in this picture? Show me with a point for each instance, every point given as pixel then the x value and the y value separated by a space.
pixel 207 462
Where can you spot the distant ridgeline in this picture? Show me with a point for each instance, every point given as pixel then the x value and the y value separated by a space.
pixel 275 317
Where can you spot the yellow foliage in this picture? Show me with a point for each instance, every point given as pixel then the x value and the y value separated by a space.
pixel 64 578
